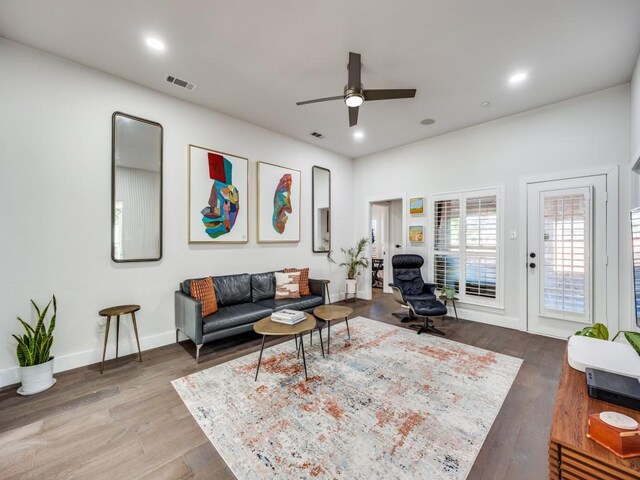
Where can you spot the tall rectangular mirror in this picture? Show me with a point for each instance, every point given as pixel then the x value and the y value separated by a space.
pixel 321 204
pixel 136 189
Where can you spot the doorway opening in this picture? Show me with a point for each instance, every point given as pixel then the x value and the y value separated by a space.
pixel 385 230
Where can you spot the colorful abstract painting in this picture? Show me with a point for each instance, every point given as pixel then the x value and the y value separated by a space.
pixel 217 197
pixel 416 205
pixel 282 203
pixel 416 233
pixel 387 404
pixel 278 203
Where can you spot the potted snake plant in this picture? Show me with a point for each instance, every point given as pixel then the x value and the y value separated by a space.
pixel 34 352
pixel 354 263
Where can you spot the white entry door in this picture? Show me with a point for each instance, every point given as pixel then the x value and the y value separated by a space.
pixel 567 255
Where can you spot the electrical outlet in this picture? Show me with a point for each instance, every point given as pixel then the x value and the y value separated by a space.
pixel 102 323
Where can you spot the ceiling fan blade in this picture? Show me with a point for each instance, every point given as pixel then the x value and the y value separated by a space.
pixel 388 94
pixel 326 99
pixel 353 116
pixel 355 67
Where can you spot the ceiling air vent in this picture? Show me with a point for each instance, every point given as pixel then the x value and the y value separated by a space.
pixel 181 83
pixel 317 135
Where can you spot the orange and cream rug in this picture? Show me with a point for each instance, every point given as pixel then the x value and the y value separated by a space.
pixel 387 404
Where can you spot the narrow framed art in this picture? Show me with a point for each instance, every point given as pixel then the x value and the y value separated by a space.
pixel 278 203
pixel 416 205
pixel 218 197
pixel 416 233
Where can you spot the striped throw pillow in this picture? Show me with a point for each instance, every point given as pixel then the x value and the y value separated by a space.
pixel 287 285
pixel 304 279
pixel 203 290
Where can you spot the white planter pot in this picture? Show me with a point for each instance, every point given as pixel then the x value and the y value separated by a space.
pixel 37 378
pixel 350 286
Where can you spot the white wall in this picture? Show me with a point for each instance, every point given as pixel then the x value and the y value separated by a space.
pixel 581 133
pixel 634 176
pixel 55 174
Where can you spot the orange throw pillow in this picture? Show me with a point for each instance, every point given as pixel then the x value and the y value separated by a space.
pixel 203 290
pixel 304 279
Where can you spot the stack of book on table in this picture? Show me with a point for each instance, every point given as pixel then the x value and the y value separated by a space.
pixel 289 317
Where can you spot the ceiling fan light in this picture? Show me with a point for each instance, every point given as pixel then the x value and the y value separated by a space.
pixel 354 100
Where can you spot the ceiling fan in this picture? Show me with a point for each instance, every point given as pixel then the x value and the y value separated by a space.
pixel 354 95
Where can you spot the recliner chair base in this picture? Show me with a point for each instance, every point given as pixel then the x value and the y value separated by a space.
pixel 405 316
pixel 427 326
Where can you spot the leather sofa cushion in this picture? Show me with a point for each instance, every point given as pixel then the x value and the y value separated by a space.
pixel 233 289
pixel 303 303
pixel 263 286
pixel 233 316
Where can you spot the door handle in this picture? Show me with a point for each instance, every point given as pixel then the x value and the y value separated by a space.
pixel 532 265
pixel 398 246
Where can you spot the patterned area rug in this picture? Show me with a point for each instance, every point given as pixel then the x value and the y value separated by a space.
pixel 387 404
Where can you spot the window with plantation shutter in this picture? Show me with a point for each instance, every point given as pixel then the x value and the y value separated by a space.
pixel 466 245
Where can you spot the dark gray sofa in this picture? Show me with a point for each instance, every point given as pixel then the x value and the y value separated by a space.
pixel 243 299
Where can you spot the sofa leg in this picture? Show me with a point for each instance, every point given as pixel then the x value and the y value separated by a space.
pixel 198 347
pixel 177 335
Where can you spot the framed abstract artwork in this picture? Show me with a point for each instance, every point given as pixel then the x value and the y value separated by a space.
pixel 416 205
pixel 278 203
pixel 218 197
pixel 416 233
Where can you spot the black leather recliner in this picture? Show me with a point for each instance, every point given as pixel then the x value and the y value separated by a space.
pixel 410 289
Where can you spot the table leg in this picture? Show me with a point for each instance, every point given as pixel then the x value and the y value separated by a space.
pixel 260 358
pixel 455 309
pixel 117 333
pixel 328 338
pixel 347 322
pixel 304 360
pixel 321 342
pixel 298 348
pixel 106 336
pixel 135 329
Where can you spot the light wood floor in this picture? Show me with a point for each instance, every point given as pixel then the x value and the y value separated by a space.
pixel 129 423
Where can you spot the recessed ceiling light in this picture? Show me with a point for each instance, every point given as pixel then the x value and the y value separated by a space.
pixel 359 135
pixel 155 44
pixel 428 121
pixel 517 78
pixel 485 104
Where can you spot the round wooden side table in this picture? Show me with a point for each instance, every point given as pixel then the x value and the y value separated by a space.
pixel 116 312
pixel 266 326
pixel 330 313
pixel 443 298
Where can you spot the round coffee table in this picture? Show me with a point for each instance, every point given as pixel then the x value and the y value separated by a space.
pixel 330 313
pixel 266 326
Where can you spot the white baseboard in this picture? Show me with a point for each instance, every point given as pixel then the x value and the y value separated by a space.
pixel 62 363
pixel 486 317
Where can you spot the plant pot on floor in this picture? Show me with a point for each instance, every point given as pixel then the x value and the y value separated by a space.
pixel 350 285
pixel 37 378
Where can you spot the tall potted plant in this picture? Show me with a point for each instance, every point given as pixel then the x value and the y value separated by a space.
pixel 354 263
pixel 33 352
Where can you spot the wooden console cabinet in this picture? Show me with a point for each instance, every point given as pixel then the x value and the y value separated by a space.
pixel 573 456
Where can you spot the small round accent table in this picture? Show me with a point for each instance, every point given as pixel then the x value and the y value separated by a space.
pixel 266 326
pixel 330 313
pixel 453 300
pixel 116 312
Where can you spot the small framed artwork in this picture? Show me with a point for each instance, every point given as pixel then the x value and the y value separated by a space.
pixel 416 205
pixel 218 197
pixel 416 233
pixel 278 203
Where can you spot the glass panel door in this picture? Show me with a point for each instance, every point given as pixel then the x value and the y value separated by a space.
pixel 566 263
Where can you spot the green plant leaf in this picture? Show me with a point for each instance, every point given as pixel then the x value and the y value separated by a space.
pixel 634 339
pixel 34 346
pixel 597 330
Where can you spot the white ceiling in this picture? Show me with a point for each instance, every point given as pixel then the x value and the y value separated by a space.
pixel 254 59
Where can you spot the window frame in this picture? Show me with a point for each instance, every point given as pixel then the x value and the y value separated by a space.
pixel 462 196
